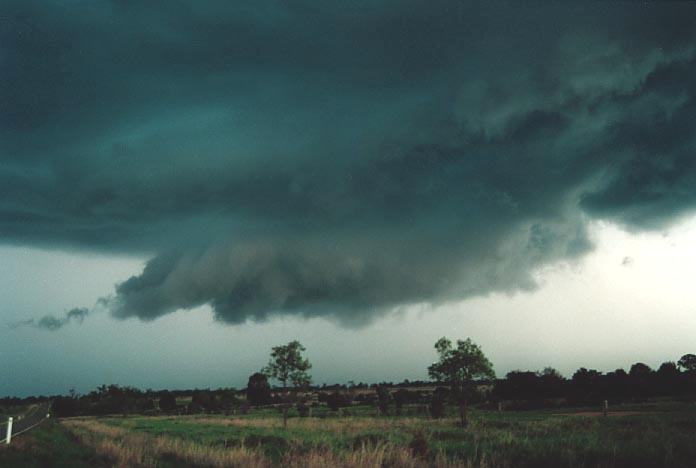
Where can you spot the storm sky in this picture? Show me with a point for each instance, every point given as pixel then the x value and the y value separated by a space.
pixel 230 176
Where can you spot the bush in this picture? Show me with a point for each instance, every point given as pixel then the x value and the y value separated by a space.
pixel 383 400
pixel 337 400
pixel 65 407
pixel 437 403
pixel 419 445
pixel 403 396
pixel 167 402
pixel 258 390
pixel 203 401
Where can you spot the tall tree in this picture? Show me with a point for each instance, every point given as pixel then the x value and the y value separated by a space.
pixel 687 362
pixel 459 367
pixel 288 366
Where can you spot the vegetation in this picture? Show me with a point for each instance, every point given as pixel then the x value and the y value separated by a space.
pixel 527 419
pixel 49 445
pixel 288 365
pixel 659 435
pixel 258 391
pixel 459 367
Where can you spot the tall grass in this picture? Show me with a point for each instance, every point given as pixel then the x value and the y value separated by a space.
pixel 128 449
pixel 492 440
pixel 345 425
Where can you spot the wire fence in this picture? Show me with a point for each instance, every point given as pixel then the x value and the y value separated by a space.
pixel 23 423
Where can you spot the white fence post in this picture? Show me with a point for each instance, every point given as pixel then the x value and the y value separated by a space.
pixel 9 431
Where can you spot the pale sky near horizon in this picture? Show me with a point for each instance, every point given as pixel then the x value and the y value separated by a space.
pixel 184 185
pixel 631 300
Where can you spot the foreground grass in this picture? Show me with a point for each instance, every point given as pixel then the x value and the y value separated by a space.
pixel 524 439
pixel 48 445
pixel 129 448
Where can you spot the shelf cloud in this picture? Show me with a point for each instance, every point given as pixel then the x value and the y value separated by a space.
pixel 339 159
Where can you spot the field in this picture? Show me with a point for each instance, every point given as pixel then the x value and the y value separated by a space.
pixel 632 436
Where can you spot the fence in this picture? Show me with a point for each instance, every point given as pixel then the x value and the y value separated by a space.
pixel 16 426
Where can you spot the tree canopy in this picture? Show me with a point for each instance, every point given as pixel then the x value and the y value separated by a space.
pixel 288 365
pixel 688 362
pixel 461 365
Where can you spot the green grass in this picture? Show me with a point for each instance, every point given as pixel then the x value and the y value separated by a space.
pixel 47 446
pixel 663 436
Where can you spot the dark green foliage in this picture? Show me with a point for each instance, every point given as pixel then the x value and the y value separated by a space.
pixel 336 400
pixel 459 367
pixel 437 403
pixel 203 402
pixel 529 390
pixel 402 397
pixel 65 407
pixel 113 399
pixel 288 366
pixel 640 370
pixel 687 362
pixel 167 401
pixel 383 398
pixel 258 390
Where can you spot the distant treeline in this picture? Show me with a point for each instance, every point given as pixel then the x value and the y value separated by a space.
pixel 518 390
pixel 590 387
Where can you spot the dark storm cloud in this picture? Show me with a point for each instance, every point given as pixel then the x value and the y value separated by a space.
pixel 340 158
pixel 53 323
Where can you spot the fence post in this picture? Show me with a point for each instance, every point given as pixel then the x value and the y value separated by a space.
pixel 9 431
pixel 606 407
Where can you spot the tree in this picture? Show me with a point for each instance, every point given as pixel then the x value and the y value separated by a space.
pixel 288 365
pixel 437 402
pixel 336 400
pixel 258 390
pixel 641 379
pixel 167 402
pixel 459 367
pixel 203 401
pixel 687 362
pixel 640 371
pixel 383 397
pixel 402 397
pixel 667 377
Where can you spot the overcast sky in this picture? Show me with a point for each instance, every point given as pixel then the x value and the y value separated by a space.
pixel 185 184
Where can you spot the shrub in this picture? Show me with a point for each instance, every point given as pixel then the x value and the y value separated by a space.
pixel 337 400
pixel 437 403
pixel 167 402
pixel 419 445
pixel 258 390
pixel 383 400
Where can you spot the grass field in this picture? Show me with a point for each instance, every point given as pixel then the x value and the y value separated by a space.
pixel 658 435
pixel 49 445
